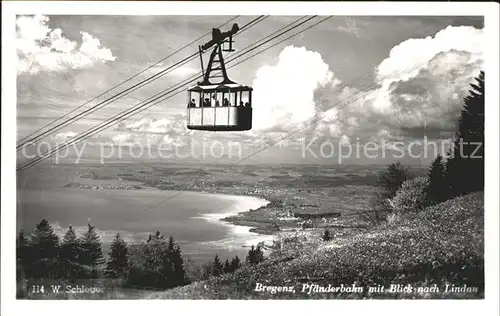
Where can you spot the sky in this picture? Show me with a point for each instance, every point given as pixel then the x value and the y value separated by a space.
pixel 339 85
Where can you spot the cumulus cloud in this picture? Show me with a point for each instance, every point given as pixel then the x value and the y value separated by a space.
pixel 419 90
pixel 429 95
pixel 285 91
pixel 151 132
pixel 40 48
pixel 407 59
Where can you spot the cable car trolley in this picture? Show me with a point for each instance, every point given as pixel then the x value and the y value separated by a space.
pixel 223 105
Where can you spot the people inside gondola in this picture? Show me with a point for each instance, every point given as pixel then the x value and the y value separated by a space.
pixel 247 104
pixel 192 103
pixel 215 102
pixel 206 103
pixel 226 102
pixel 241 103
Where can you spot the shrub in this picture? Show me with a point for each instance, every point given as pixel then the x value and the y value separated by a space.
pixel 389 182
pixel 411 197
pixel 327 236
pixel 307 224
pixel 393 217
pixel 196 272
pixel 379 208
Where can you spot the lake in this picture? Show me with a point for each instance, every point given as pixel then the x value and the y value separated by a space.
pixel 192 218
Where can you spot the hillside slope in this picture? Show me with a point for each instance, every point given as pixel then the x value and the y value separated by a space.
pixel 441 245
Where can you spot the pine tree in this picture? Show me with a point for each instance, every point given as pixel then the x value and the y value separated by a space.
pixel 23 254
pixel 255 255
pixel 155 252
pixel 45 241
pixel 173 273
pixel 436 191
pixel 259 254
pixel 227 266
pixel 235 264
pixel 69 254
pixel 217 267
pixel 178 264
pixel 45 247
pixel 117 265
pixel 250 259
pixel 91 251
pixel 465 167
pixel 152 262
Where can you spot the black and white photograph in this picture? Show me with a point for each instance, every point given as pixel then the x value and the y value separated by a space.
pixel 217 153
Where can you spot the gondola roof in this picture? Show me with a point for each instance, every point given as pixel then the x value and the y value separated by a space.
pixel 231 87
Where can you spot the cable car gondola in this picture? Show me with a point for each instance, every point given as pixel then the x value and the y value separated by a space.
pixel 223 105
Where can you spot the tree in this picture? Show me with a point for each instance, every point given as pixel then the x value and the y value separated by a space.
pixel 91 251
pixel 235 264
pixel 379 208
pixel 217 267
pixel 45 247
pixel 69 254
pixel 173 265
pixel 392 178
pixel 155 252
pixel 436 190
pixel 206 270
pixel 411 197
pixel 227 266
pixel 179 271
pixel 157 237
pixel 465 166
pixel 255 255
pixel 327 236
pixel 389 181
pixel 23 255
pixel 117 265
pixel 160 265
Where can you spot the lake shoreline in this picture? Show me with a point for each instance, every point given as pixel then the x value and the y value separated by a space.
pixel 230 217
pixel 237 217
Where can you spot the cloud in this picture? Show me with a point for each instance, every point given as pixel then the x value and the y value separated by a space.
pixel 350 27
pixel 408 58
pixel 184 71
pixel 285 91
pixel 151 132
pixel 429 95
pixel 63 137
pixel 40 48
pixel 418 90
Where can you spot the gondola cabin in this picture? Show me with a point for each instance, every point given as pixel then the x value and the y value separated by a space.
pixel 222 106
